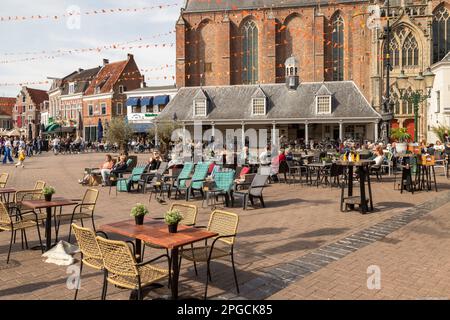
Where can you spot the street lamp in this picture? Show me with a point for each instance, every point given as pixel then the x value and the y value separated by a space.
pixel 418 95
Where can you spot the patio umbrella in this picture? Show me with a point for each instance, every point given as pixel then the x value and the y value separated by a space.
pixel 100 130
pixel 80 124
pixel 30 131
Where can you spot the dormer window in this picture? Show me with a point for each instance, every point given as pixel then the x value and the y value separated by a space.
pixel 200 108
pixel 259 106
pixel 71 88
pixel 97 89
pixel 323 104
pixel 121 89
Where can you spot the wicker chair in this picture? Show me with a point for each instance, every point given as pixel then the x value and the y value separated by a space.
pixel 122 269
pixel 14 223
pixel 3 179
pixel 90 252
pixel 28 214
pixel 225 224
pixel 84 210
pixel 39 185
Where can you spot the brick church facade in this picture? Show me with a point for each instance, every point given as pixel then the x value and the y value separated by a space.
pixel 231 42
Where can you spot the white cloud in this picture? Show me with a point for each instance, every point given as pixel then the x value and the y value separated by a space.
pixel 96 30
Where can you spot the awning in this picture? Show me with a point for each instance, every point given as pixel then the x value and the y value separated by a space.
pixel 52 127
pixel 59 129
pixel 147 101
pixel 141 127
pixel 161 100
pixel 133 102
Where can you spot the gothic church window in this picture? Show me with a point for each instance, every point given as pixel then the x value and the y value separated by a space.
pixel 337 43
pixel 250 53
pixel 441 30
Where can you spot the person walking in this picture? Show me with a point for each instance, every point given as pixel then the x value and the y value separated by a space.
pixel 7 156
pixel 21 155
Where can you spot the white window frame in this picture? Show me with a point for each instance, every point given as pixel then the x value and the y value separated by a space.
pixel 101 108
pixel 121 89
pixel 258 100
pixel 119 110
pixel 194 105
pixel 97 90
pixel 329 104
pixel 71 87
pixel 90 110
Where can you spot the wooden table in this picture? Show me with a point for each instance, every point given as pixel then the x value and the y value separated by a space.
pixel 157 233
pixel 48 206
pixel 363 173
pixel 5 194
pixel 425 171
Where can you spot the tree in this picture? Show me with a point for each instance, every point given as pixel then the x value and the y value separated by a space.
pixel 165 131
pixel 119 132
pixel 439 131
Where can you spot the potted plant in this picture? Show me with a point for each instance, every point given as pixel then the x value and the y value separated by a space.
pixel 48 192
pixel 401 135
pixel 139 211
pixel 172 218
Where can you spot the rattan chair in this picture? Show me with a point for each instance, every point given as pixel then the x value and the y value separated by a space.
pixel 90 252
pixel 39 185
pixel 3 179
pixel 123 271
pixel 84 210
pixel 26 213
pixel 14 223
pixel 225 224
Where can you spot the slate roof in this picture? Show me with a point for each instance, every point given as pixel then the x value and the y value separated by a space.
pixel 227 5
pixel 233 103
pixel 82 80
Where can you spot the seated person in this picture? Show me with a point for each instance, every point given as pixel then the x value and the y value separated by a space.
pixel 105 168
pixel 118 168
pixel 379 156
pixel 155 161
pixel 244 171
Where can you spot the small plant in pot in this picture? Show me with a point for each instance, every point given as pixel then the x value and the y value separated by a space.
pixel 172 218
pixel 401 135
pixel 139 211
pixel 48 192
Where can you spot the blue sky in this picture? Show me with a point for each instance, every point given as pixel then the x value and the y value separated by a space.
pixel 94 31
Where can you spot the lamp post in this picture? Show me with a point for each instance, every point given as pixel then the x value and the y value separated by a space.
pixel 423 84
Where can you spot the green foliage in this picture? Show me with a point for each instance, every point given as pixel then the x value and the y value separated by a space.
pixel 119 132
pixel 439 131
pixel 48 190
pixel 139 210
pixel 400 134
pixel 173 217
pixel 164 130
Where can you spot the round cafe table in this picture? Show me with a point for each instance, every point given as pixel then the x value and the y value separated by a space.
pixel 349 200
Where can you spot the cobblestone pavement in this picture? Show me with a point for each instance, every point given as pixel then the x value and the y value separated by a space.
pixel 300 224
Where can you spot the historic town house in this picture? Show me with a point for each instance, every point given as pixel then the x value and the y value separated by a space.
pixel 247 42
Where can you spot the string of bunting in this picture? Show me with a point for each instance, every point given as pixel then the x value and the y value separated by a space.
pixel 18 18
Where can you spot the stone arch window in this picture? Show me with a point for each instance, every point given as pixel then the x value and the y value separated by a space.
pixel 410 51
pixel 337 44
pixel 404 49
pixel 441 31
pixel 395 52
pixel 250 52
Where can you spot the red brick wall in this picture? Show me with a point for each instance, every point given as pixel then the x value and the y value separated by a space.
pixel 300 31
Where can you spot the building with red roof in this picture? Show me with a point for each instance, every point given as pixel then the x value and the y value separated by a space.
pixel 104 98
pixel 6 110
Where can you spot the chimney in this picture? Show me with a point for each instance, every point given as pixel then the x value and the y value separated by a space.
pixel 130 56
pixel 105 62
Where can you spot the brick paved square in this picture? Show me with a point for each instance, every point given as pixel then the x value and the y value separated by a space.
pixel 300 247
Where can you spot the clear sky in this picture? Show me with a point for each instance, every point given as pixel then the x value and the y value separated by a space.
pixel 85 31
